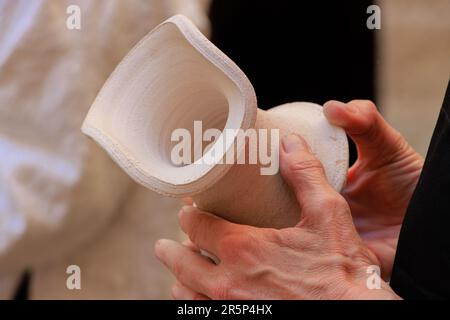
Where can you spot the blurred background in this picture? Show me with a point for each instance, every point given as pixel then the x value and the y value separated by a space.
pixel 64 202
pixel 413 65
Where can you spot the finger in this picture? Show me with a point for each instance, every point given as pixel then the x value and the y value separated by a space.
pixel 204 229
pixel 188 201
pixel 192 246
pixel 306 176
pixel 373 136
pixel 181 292
pixel 301 169
pixel 189 244
pixel 188 267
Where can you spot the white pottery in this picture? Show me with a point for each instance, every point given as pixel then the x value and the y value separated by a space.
pixel 175 76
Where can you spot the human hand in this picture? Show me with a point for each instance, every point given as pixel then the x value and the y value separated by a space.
pixel 381 182
pixel 322 257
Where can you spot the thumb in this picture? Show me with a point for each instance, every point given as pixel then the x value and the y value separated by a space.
pixel 306 176
pixel 375 139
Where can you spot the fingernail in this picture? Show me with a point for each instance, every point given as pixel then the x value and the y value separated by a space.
pixel 292 143
pixel 186 209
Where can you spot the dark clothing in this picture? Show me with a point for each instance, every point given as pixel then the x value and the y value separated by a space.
pixel 422 264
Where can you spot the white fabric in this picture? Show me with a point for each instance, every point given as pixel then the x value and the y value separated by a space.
pixel 62 200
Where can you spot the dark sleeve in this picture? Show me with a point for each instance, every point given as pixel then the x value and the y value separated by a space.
pixel 422 263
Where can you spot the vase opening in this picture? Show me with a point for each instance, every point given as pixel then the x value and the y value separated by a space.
pixel 173 78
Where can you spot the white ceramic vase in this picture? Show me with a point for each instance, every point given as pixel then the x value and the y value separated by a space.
pixel 175 76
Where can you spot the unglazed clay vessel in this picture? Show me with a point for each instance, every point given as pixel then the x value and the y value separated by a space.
pixel 175 76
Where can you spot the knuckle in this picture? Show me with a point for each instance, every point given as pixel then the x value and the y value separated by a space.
pixel 233 243
pixel 242 249
pixel 288 238
pixel 285 238
pixel 400 146
pixel 370 118
pixel 274 235
pixel 194 234
pixel 366 106
pixel 178 269
pixel 334 202
pixel 196 230
pixel 307 165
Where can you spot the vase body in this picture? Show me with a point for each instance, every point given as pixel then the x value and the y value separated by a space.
pixel 246 196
